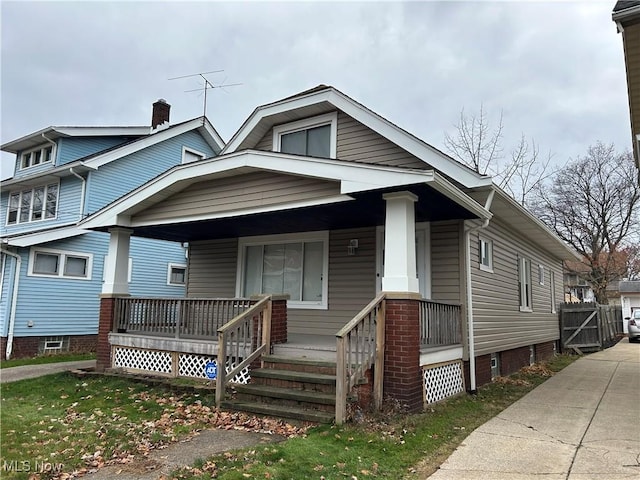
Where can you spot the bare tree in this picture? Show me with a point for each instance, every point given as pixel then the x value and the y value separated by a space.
pixel 593 204
pixel 476 144
pixel 479 146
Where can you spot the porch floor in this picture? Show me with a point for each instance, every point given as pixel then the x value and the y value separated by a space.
pixel 323 347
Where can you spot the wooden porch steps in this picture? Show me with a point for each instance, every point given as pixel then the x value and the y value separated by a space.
pixel 291 388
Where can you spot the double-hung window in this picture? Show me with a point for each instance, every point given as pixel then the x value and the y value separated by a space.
pixel 524 282
pixel 485 252
pixel 59 263
pixel 313 137
pixel 294 265
pixel 37 156
pixel 38 203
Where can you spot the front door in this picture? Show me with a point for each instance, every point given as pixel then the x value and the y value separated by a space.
pixel 423 258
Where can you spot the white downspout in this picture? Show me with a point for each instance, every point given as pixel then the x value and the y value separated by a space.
pixel 14 300
pixel 470 337
pixel 84 188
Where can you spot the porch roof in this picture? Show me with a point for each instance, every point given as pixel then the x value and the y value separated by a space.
pixel 358 203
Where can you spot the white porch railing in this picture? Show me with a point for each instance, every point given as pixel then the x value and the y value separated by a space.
pixel 360 344
pixel 241 341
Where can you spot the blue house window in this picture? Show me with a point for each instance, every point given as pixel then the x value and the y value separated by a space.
pixel 45 262
pixel 39 203
pixel 43 154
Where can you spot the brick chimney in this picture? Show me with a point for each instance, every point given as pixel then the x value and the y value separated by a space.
pixel 160 113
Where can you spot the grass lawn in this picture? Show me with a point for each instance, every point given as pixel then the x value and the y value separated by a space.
pixel 84 423
pixel 41 359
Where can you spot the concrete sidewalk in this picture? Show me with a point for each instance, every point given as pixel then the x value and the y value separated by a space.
pixel 32 371
pixel 583 423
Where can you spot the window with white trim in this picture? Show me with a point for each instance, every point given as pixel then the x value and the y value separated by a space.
pixel 485 253
pixel 38 203
pixel 524 283
pixel 295 265
pixel 189 155
pixel 37 156
pixel 176 274
pixel 314 137
pixel 45 262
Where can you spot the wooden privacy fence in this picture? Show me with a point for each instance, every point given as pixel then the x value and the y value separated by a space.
pixel 589 325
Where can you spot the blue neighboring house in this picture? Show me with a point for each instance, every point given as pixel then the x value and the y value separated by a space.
pixel 51 272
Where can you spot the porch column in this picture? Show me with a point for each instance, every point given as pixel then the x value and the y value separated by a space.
pixel 116 273
pixel 116 269
pixel 399 243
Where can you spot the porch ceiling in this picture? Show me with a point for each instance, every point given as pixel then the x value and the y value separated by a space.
pixel 366 209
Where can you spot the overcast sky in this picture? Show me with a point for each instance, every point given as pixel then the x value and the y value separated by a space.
pixel 555 70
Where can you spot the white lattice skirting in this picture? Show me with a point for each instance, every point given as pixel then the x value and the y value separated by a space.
pixel 442 381
pixel 168 363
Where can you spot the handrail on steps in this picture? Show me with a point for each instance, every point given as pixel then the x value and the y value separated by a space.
pixel 360 344
pixel 250 331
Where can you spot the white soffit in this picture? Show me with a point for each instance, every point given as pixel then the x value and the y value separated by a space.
pixel 36 238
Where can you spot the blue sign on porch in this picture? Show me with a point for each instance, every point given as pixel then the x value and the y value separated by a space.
pixel 211 370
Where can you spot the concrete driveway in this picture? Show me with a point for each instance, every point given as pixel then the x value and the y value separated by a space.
pixel 583 423
pixel 14 374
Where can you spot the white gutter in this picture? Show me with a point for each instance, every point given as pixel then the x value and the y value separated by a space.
pixel 14 300
pixel 82 194
pixel 470 337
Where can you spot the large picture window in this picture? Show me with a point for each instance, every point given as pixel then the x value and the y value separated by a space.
pixel 39 203
pixel 59 263
pixel 314 137
pixel 285 265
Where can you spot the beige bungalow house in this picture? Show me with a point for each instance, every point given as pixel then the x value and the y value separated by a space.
pixel 334 260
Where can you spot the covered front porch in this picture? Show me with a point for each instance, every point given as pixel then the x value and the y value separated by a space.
pixel 185 337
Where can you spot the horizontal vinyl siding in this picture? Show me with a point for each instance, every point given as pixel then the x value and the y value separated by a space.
pixel 212 273
pixel 6 291
pixel 498 323
pixel 71 149
pixel 445 262
pixel 359 143
pixel 239 192
pixel 352 284
pixel 23 172
pixel 212 269
pixel 61 306
pixel 68 209
pixel 151 259
pixel 114 179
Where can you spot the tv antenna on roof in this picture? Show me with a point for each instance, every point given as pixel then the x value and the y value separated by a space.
pixel 206 85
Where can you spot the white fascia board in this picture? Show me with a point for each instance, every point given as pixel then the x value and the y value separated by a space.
pixel 215 136
pixel 452 192
pixel 143 143
pixel 61 171
pixel 37 238
pixel 101 131
pixel 370 119
pixel 353 177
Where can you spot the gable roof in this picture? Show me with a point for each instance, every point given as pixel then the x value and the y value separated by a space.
pixel 96 160
pixel 354 177
pixel 322 99
pixel 626 10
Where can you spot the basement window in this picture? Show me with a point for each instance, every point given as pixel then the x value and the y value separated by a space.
pixel 495 366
